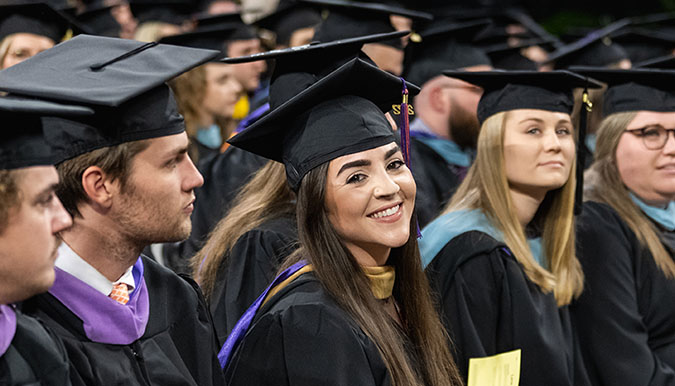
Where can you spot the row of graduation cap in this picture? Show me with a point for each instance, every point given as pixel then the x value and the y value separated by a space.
pixel 504 34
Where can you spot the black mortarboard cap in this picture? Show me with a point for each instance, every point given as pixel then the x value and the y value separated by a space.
pixel 22 142
pixel 99 20
pixel 642 44
pixel 442 46
pixel 123 80
pixel 297 68
pixel 634 89
pixel 289 17
pixel 242 31
pixel 511 90
pixel 506 57
pixel 167 11
pixel 347 19
pixel 210 38
pixel 342 113
pixel 666 62
pixel 38 19
pixel 594 49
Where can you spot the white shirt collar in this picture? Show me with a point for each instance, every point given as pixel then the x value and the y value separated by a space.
pixel 73 264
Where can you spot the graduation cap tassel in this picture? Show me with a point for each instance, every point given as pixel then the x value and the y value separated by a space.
pixel 586 107
pixel 405 126
pixel 405 138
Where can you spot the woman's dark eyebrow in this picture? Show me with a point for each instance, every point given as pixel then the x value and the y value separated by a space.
pixel 531 119
pixel 391 152
pixel 354 164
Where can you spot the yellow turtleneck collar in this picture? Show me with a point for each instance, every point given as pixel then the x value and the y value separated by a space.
pixel 381 280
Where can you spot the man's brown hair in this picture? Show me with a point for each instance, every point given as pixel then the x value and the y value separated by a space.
pixel 115 161
pixel 9 195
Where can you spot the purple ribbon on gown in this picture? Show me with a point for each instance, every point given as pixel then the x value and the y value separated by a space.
pixel 242 326
pixel 105 320
pixel 7 327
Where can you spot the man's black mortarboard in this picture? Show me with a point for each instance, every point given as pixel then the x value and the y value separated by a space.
pixel 550 91
pixel 342 113
pixel 594 49
pixel 122 80
pixel 666 62
pixel 242 31
pixel 348 19
pixel 22 142
pixel 443 46
pixel 38 19
pixel 210 38
pixel 297 68
pixel 634 89
pixel 167 11
pixel 289 17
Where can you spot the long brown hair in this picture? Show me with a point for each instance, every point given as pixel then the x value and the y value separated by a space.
pixel 189 89
pixel 486 188
pixel 265 196
pixel 604 184
pixel 344 279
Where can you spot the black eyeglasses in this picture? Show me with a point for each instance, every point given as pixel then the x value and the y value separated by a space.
pixel 654 137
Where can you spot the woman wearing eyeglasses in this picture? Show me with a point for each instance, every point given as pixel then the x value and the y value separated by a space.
pixel 625 317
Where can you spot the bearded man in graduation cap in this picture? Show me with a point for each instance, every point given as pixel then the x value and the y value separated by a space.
pixel 128 182
pixel 445 129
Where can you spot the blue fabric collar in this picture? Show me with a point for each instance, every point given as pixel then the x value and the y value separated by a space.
pixel 591 139
pixel 210 136
pixel 448 226
pixel 450 151
pixel 665 217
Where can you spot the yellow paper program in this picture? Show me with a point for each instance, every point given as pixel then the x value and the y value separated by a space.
pixel 498 370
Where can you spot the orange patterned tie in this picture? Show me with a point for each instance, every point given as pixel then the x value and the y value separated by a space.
pixel 120 293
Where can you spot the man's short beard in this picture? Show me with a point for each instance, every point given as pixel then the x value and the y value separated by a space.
pixel 463 127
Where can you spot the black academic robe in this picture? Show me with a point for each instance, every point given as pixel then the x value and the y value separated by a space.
pixel 435 178
pixel 489 306
pixel 625 316
pixel 178 347
pixel 302 337
pixel 224 174
pixel 35 357
pixel 249 269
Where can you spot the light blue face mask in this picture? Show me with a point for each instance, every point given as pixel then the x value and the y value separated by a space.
pixel 665 217
pixel 210 137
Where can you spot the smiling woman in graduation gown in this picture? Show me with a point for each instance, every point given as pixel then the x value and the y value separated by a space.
pixel 627 235
pixel 501 256
pixel 352 306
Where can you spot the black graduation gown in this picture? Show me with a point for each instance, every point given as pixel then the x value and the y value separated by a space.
pixel 249 269
pixel 489 306
pixel 625 318
pixel 224 174
pixel 178 346
pixel 35 356
pixel 435 178
pixel 302 337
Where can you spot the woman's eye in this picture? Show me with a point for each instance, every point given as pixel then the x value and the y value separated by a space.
pixel 651 132
pixel 533 130
pixel 48 200
pixel 395 164
pixel 563 131
pixel 356 178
